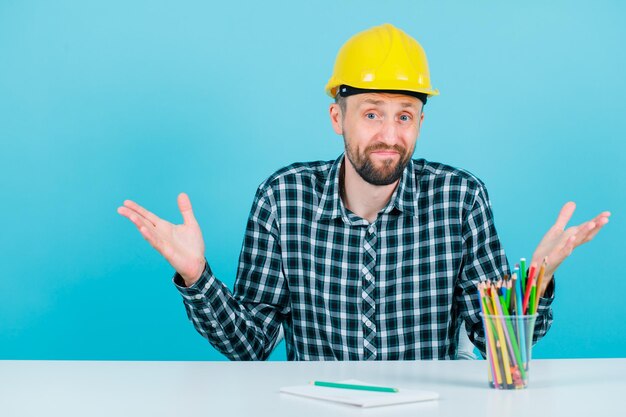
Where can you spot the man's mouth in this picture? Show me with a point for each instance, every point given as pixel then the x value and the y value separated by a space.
pixel 385 153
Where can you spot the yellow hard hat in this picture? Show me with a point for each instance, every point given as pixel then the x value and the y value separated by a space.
pixel 382 58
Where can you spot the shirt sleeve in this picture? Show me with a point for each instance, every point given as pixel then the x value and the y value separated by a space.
pixel 244 324
pixel 484 259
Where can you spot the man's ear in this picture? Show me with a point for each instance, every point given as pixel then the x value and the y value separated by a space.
pixel 336 118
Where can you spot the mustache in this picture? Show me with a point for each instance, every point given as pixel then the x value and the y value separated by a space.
pixel 383 147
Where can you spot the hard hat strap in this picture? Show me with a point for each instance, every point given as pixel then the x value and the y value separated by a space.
pixel 346 90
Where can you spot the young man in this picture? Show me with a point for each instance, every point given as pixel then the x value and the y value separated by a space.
pixel 371 256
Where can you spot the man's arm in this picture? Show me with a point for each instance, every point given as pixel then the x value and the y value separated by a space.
pixel 484 259
pixel 241 326
pixel 244 325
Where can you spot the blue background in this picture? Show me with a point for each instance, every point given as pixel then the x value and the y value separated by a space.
pixel 106 100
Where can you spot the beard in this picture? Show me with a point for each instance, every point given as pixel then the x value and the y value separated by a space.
pixel 378 174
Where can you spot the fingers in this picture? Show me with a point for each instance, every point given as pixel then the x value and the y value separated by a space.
pixel 184 204
pixel 565 215
pixel 137 219
pixel 143 225
pixel 592 229
pixel 590 235
pixel 559 243
pixel 601 219
pixel 152 218
pixel 588 230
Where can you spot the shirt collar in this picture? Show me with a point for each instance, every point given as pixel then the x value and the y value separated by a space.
pixel 330 206
pixel 403 199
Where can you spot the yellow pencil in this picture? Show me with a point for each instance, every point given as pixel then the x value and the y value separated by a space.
pixel 502 343
pixel 490 341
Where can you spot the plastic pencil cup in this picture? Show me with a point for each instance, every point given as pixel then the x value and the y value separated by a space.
pixel 509 343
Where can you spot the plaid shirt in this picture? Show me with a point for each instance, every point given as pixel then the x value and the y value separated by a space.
pixel 346 289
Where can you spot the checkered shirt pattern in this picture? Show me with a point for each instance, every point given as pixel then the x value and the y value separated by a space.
pixel 346 289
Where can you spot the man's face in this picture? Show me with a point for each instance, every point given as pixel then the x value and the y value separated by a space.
pixel 379 131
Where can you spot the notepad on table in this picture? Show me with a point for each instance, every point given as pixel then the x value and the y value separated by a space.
pixel 360 398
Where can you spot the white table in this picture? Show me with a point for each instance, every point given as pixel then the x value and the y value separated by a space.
pixel 589 387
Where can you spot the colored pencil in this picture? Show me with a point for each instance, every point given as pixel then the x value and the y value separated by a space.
pixel 514 294
pixel 511 340
pixel 508 291
pixel 533 297
pixel 508 305
pixel 542 271
pixel 502 298
pixel 495 367
pixel 522 269
pixel 501 342
pixel 529 284
pixel 353 386
pixel 520 328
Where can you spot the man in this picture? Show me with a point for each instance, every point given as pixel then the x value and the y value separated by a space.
pixel 371 256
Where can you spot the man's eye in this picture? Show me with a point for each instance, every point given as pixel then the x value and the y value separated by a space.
pixel 370 116
pixel 405 118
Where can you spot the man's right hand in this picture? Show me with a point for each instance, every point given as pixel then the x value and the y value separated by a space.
pixel 181 244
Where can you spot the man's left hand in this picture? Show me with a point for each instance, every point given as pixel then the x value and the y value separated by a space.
pixel 559 242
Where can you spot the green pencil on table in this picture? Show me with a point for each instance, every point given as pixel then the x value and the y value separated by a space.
pixel 353 386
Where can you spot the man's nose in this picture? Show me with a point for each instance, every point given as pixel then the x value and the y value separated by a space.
pixel 389 132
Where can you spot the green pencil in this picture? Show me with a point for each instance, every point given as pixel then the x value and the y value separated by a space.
pixel 353 386
pixel 532 302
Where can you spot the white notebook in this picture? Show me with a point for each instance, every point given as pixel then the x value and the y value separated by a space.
pixel 360 398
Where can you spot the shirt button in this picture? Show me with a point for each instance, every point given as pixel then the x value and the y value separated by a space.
pixel 368 323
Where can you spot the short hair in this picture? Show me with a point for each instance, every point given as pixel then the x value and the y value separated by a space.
pixel 341 100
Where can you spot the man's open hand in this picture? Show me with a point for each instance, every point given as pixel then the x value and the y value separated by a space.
pixel 181 245
pixel 559 242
